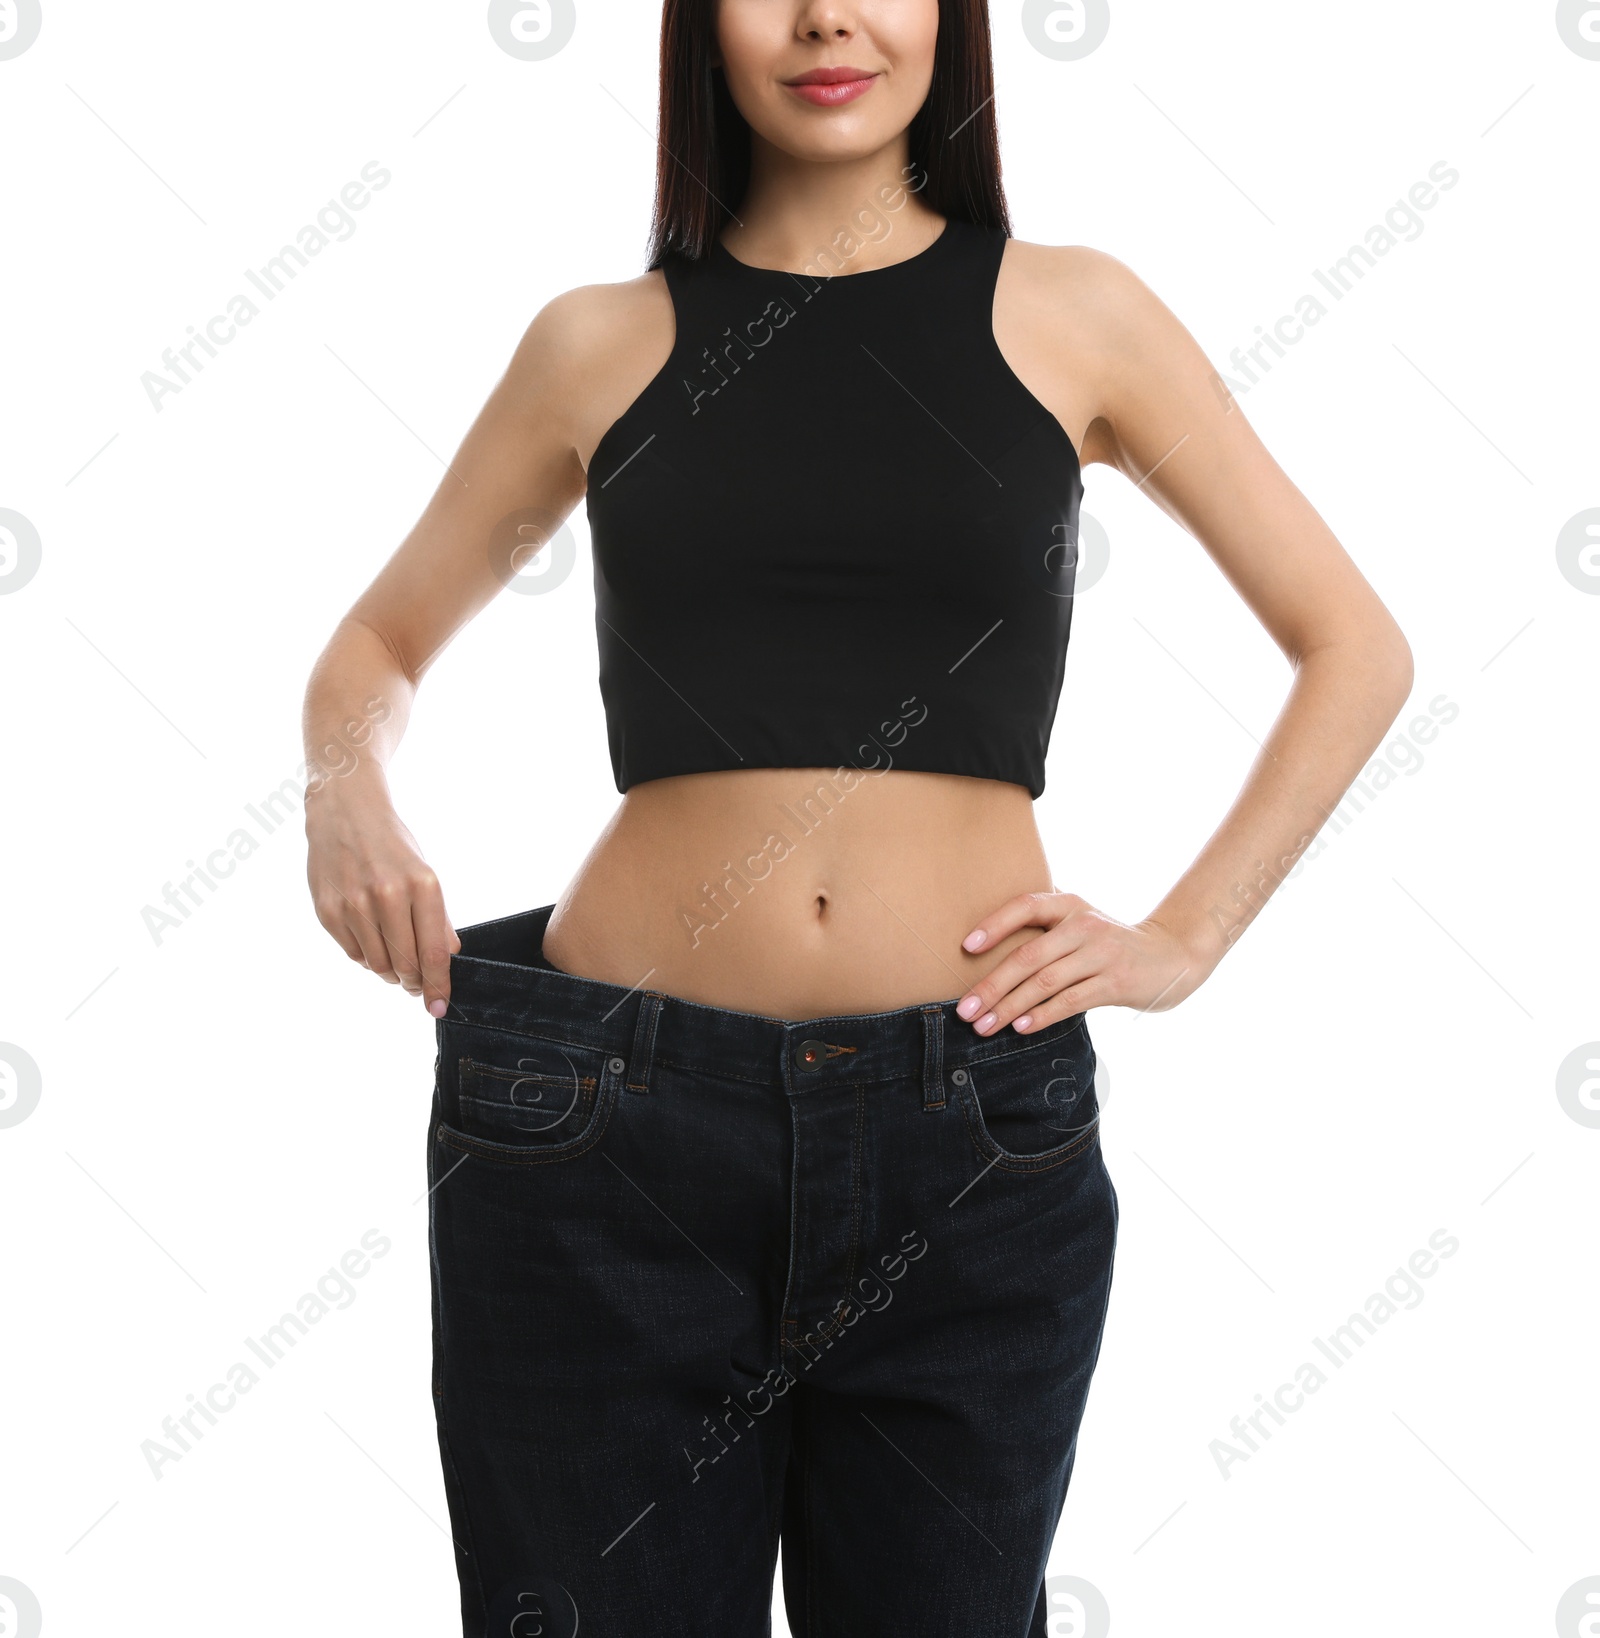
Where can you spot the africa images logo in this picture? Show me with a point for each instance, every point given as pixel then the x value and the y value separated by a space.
pixel 532 30
pixel 20 21
pixel 21 552
pixel 20 1616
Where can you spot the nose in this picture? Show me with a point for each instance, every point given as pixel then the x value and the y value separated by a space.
pixel 827 21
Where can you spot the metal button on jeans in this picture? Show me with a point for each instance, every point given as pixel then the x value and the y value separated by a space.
pixel 810 1053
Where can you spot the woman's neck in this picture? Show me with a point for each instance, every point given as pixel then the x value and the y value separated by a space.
pixel 797 213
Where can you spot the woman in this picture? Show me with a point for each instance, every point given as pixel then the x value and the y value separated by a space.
pixel 767 1198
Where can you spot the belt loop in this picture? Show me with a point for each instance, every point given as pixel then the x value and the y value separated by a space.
pixel 644 1040
pixel 933 1057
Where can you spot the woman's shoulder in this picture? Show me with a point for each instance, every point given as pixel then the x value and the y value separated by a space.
pixel 1090 336
pixel 1093 302
pixel 589 350
pixel 1077 279
pixel 582 327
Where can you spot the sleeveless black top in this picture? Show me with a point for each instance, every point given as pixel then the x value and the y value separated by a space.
pixel 835 530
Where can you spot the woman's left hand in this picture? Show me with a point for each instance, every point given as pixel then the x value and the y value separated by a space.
pixel 1082 959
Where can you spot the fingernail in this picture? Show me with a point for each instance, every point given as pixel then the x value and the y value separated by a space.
pixel 985 1022
pixel 969 1006
pixel 437 1008
pixel 1022 1022
pixel 974 941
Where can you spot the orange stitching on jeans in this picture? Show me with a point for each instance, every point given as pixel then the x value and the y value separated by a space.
pixel 453 1139
pixel 1003 1160
pixel 827 1329
pixel 471 1066
pixel 856 1191
pixel 647 1050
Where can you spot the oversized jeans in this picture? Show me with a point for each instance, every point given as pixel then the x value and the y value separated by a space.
pixel 707 1284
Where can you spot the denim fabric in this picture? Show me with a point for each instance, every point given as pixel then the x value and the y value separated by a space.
pixel 705 1282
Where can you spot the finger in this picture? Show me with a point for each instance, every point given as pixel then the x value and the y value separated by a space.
pixel 1075 998
pixel 357 934
pixel 1017 967
pixel 369 935
pixel 1038 988
pixel 436 943
pixel 1025 910
pixel 392 900
pixel 331 913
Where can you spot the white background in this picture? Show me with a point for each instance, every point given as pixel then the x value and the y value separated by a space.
pixel 225 1113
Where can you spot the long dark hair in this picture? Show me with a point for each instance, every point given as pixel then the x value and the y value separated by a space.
pixel 703 147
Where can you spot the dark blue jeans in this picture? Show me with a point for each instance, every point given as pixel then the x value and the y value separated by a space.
pixel 706 1282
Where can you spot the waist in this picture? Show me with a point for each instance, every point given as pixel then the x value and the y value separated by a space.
pixel 498 982
pixel 769 891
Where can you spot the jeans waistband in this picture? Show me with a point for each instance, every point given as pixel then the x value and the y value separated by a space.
pixel 497 981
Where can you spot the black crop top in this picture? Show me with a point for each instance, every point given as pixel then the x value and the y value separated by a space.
pixel 835 530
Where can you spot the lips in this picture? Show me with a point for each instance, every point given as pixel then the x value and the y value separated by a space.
pixel 830 87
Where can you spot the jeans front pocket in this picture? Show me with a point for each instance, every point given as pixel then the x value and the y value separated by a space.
pixel 1034 1107
pixel 531 1100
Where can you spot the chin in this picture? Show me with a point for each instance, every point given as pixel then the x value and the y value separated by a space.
pixel 831 141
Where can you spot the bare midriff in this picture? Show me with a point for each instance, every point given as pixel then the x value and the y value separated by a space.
pixel 780 892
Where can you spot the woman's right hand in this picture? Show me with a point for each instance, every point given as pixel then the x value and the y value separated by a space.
pixel 519 472
pixel 373 890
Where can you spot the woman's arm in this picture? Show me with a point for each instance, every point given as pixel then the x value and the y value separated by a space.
pixel 1161 417
pixel 576 368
